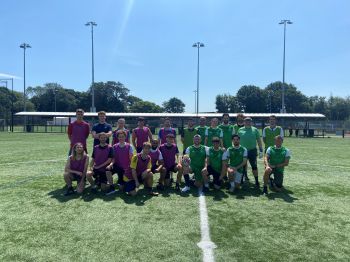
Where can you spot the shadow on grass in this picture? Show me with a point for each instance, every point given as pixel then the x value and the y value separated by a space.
pixel 249 190
pixel 139 200
pixel 285 194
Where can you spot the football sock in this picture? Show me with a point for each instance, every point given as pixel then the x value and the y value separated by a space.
pixel 256 180
pixel 187 179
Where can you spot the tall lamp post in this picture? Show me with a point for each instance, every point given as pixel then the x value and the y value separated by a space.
pixel 92 24
pixel 195 100
pixel 198 45
pixel 24 46
pixel 284 23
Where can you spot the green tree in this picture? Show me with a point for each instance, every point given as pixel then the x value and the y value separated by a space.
pixel 226 104
pixel 174 105
pixel 252 99
pixel 146 107
pixel 295 101
pixel 110 96
pixel 339 108
pixel 53 97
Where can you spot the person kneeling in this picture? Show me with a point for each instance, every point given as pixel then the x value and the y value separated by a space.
pixel 277 157
pixel 141 165
pixel 102 156
pixel 237 159
pixel 75 169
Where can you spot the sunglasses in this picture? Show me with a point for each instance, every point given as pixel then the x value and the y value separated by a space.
pixel 216 141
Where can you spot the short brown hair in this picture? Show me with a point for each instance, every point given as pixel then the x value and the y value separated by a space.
pixel 147 144
pixel 101 113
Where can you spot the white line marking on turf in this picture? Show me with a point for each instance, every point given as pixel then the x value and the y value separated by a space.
pixel 206 244
pixel 33 161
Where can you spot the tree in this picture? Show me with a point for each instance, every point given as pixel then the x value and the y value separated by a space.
pixel 339 108
pixel 145 107
pixel 110 96
pixel 174 105
pixel 252 99
pixel 295 101
pixel 226 104
pixel 53 97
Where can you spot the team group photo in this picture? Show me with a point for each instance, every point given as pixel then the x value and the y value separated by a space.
pixel 215 156
pixel 175 131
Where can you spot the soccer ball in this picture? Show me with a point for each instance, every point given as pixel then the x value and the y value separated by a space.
pixel 186 161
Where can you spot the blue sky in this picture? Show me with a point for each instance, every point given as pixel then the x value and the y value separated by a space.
pixel 147 45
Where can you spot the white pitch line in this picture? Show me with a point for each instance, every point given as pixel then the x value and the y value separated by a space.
pixel 33 161
pixel 206 244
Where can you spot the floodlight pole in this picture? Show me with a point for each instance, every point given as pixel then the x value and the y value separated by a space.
pixel 195 100
pixel 24 46
pixel 93 108
pixel 284 23
pixel 198 45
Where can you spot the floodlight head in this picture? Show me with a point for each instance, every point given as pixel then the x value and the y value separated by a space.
pixel 201 45
pixel 194 45
pixel 24 46
pixel 289 22
pixel 91 23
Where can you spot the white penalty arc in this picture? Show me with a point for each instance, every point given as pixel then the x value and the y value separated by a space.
pixel 205 244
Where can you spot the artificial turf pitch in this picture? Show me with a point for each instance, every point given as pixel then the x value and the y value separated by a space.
pixel 309 221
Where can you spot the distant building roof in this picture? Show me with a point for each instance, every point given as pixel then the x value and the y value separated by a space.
pixel 150 115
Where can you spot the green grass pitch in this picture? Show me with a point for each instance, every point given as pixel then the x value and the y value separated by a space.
pixel 310 221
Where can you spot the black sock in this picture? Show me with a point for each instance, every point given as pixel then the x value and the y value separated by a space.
pixel 256 180
pixel 187 179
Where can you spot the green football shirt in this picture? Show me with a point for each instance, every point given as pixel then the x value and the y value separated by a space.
pixel 227 131
pixel 188 135
pixel 236 155
pixel 278 156
pixel 197 156
pixel 201 132
pixel 212 132
pixel 215 158
pixel 248 137
pixel 269 135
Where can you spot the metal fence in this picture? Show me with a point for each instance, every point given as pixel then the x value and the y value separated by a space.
pixel 298 128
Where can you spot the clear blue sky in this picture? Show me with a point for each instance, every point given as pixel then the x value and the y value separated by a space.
pixel 147 45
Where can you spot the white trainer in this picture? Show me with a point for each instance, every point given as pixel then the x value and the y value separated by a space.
pixel 185 189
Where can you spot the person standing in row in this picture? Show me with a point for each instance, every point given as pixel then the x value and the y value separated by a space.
pixel 202 128
pixel 249 138
pixel 78 131
pixel 270 132
pixel 165 130
pixel 140 135
pixel 187 134
pixel 120 126
pixel 227 130
pixel 101 127
pixel 239 123
pixel 213 131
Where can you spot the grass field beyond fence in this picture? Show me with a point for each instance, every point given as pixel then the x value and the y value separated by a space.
pixel 309 221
